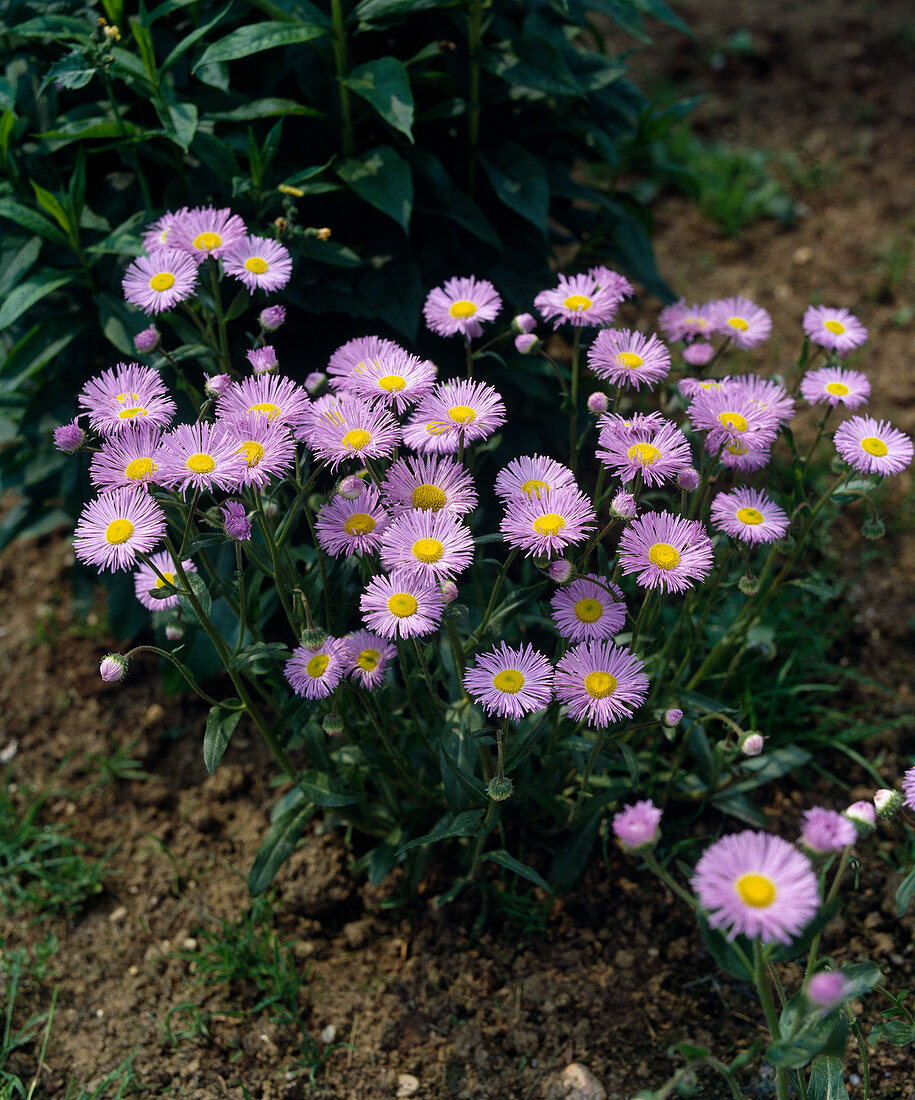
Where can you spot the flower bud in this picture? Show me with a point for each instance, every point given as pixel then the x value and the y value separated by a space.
pixel 524 323
pixel 500 789
pixel 235 521
pixel 69 437
pixel 688 479
pixel 314 381
pixel 174 632
pixel 827 988
pixel 698 354
pixel 112 668
pixel 623 506
pixel 749 586
pixel 217 385
pixel 752 743
pixel 873 528
pixel 147 340
pixel 672 717
pixel 263 360
pixel 863 815
pixel 526 342
pixel 560 570
pixel 271 318
pixel 333 725
pixel 887 804
pixel 638 826
pixel 313 637
pixel 598 403
pixel 449 591
pixel 351 488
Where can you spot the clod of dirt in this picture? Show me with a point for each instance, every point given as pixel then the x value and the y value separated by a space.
pixel 576 1082
pixel 407 1085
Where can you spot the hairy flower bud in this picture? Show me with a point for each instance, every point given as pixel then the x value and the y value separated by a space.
pixel 314 637
pixel 752 743
pixel 263 360
pixel 672 717
pixel 526 342
pixel 699 353
pixel 449 591
pixel 887 804
pixel 69 437
pixel 524 322
pixel 112 668
pixel 217 385
pixel 623 506
pixel 749 586
pixel 174 632
pixel 333 725
pixel 147 340
pixel 863 815
pixel 560 570
pixel 351 488
pixel 873 528
pixel 272 317
pixel 500 789
pixel 314 381
pixel 688 479
pixel 598 403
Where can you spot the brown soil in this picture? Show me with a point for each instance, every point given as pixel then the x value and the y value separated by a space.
pixel 610 975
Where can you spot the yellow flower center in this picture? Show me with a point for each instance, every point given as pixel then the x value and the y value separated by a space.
pixel 356 439
pixel 393 383
pixel 696 322
pixel 663 555
pixel 736 448
pixel 402 605
pixel 253 451
pixel 428 497
pixel 756 890
pixel 600 684
pixel 359 523
pixel 118 531
pixel 269 410
pixel 256 265
pixel 163 280
pixel 710 385
pixel 317 666
pixel 139 468
pixel 128 414
pixel 206 242
pixel 534 487
pixel 578 302
pixel 630 360
pixel 368 660
pixel 588 610
pixel 874 446
pixel 550 524
pixel 462 308
pixel 643 453
pixel 462 414
pixel 734 421
pixel 835 327
pixel 508 680
pixel 752 516
pixel 739 323
pixel 428 550
pixel 838 388
pixel 170 577
pixel 201 463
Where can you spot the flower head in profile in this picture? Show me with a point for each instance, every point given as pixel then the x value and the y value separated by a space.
pixel 259 262
pixel 161 280
pixel 458 307
pixel 348 428
pixel 872 446
pixel 235 521
pixel 583 300
pixel 146 579
pixel 627 358
pixel 547 524
pixel 835 329
pixel 600 683
pixel 428 484
pixel 344 361
pixel 746 323
pixel 112 668
pixel 658 454
pixel 588 608
pixel 687 322
pixel 836 386
pixel 156 234
pixel 510 683
pixel 200 456
pixel 462 410
pixel 124 396
pixel 666 551
pixel 366 657
pixel 205 231
pixel 757 885
pixel 130 458
pixel 430 544
pixel 396 380
pixel 908 788
pixel 825 830
pixel 262 359
pixel 117 526
pixel 748 515
pixel 531 476
pixel 314 671
pixel 638 826
pixel 272 317
pixel 827 988
pixel 402 606
pixel 352 526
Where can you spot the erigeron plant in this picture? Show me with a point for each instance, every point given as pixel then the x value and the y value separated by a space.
pixel 323 538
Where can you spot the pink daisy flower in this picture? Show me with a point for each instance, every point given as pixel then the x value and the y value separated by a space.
pixel 200 456
pixel 122 397
pixel 628 358
pixel 740 456
pixel 352 526
pixel 350 355
pixel 637 826
pixel 532 476
pixel 259 262
pixel 600 683
pixel 850 388
pixel 366 656
pixel 509 683
pixel 204 232
pixel 396 380
pixel 748 515
pixel 458 307
pixel 611 281
pixel 267 448
pixel 127 459
pixel 471 410
pixel 155 236
pixel 427 438
pixel 666 551
pixel 271 396
pixel 160 281
pixel 693 387
pixel 872 446
pixel 698 353
pixel 635 425
pixel 908 788
pixel 657 455
pixel 835 329
pixel 349 428
pixel 730 417
pixel 589 299
pixel 429 544
pixel 825 830
pixel 429 485
pixel 771 397
pixel 683 322
pixel 545 525
pixel 746 323
pixel 117 526
pixel 585 611
pixel 314 671
pixel 146 578
pixel 755 884
pixel 401 606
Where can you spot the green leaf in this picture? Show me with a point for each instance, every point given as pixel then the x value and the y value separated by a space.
pixel 42 343
pixel 257 37
pixel 451 201
pixel 827 1079
pixel 570 860
pixel 382 178
pixel 905 893
pixel 16 265
pixel 900 1033
pixel 469 823
pixel 806 1034
pixel 180 122
pixel 722 951
pixel 199 587
pixel 52 205
pixel 317 787
pixel 271 652
pixel 185 44
pixel 27 218
pixel 689 1051
pixel 532 61
pixel 221 723
pixel 117 323
pixel 270 107
pixel 503 859
pixel 54 26
pixel 281 839
pixel 386 85
pixel 70 71
pixel 372 10
pixel 31 291
pixel 520 183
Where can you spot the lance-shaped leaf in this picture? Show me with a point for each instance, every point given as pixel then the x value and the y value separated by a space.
pixel 381 177
pixel 386 85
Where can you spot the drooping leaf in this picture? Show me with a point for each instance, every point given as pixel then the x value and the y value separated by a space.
pixel 279 843
pixel 385 83
pixel 509 863
pixel 221 723
pixel 469 823
pixel 30 291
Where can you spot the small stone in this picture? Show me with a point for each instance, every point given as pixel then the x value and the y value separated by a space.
pixel 407 1085
pixel 329 1034
pixel 802 255
pixel 118 915
pixel 189 944
pixel 133 971
pixel 100 1012
pixel 622 959
pixel 154 714
pixel 577 1082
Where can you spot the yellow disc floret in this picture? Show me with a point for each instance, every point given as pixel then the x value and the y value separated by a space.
pixel 756 890
pixel 508 680
pixel 874 446
pixel 663 555
pixel 252 450
pixel 428 497
pixel 118 531
pixel 550 524
pixel 162 280
pixel 392 383
pixel 368 660
pixel 837 388
pixel 578 303
pixel 534 487
pixel 734 421
pixel 129 414
pixel 835 327
pixel 317 666
pixel 160 581
pixel 752 516
pixel 139 468
pixel 600 684
pixel 257 265
pixel 359 523
pixel 462 308
pixel 201 463
pixel 402 605
pixel 630 360
pixel 428 550
pixel 739 323
pixel 206 242
pixel 462 414
pixel 643 453
pixel 588 610
pixel 356 439
pixel 268 409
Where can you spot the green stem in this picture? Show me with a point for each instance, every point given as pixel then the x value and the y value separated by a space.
pixel 586 778
pixel 430 684
pixel 768 1005
pixel 573 399
pixel 240 574
pixel 474 41
pixel 179 666
pixel 469 355
pixel 478 633
pixel 223 337
pixel 348 143
pixel 833 890
pixel 278 579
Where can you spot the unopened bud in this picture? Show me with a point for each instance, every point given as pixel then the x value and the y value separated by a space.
pixel 449 591
pixel 112 668
pixel 526 342
pixel 598 403
pixel 333 725
pixel 752 743
pixel 688 479
pixel 887 804
pixel 314 381
pixel 500 789
pixel 272 317
pixel 672 717
pixel 524 322
pixel 623 506
pixel 314 637
pixel 698 354
pixel 749 586
pixel 69 437
pixel 263 360
pixel 217 385
pixel 174 632
pixel 147 340
pixel 560 570
pixel 863 815
pixel 873 528
pixel 351 488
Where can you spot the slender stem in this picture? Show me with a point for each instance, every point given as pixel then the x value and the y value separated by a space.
pixel 180 667
pixel 585 778
pixel 430 684
pixel 278 579
pixel 833 890
pixel 641 616
pixel 768 1005
pixel 862 1051
pixel 240 575
pixel 669 881
pixel 501 740
pixel 220 316
pixel 474 41
pixel 469 355
pixel 348 143
pixel 285 528
pixel 573 399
